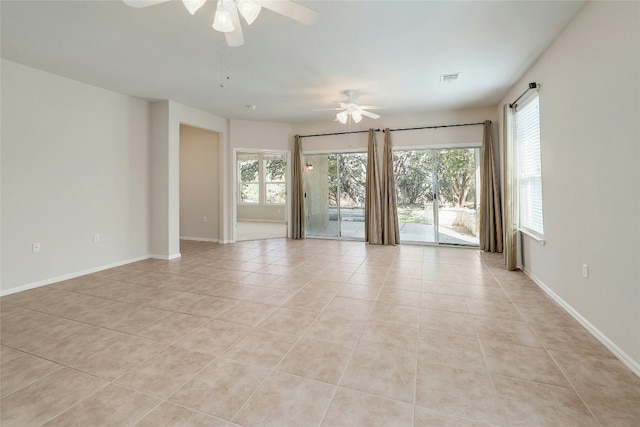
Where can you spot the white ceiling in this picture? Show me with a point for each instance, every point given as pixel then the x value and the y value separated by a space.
pixel 391 53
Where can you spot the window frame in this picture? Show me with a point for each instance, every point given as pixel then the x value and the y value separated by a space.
pixel 261 176
pixel 529 207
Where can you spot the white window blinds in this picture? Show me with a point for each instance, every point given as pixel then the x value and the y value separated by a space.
pixel 527 137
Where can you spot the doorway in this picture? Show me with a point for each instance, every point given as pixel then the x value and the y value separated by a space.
pixel 261 195
pixel 438 191
pixel 334 186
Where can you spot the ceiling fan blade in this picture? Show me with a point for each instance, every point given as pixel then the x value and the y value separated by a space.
pixel 328 109
pixel 371 107
pixel 370 115
pixel 143 3
pixel 235 38
pixel 291 10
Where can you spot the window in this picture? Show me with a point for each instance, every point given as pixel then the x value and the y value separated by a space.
pixel 527 137
pixel 274 169
pixel 261 178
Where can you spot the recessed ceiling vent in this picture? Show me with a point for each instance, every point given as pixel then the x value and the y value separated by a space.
pixel 449 78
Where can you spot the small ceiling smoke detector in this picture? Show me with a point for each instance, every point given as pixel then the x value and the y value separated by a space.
pixel 449 78
pixel 251 107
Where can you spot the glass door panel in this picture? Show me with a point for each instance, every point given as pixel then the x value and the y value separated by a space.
pixel 335 194
pixel 352 171
pixel 321 195
pixel 458 194
pixel 415 192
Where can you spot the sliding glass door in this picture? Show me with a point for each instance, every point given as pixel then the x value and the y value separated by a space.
pixel 334 194
pixel 438 193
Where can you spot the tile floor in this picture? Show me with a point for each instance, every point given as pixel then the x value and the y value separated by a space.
pixel 305 333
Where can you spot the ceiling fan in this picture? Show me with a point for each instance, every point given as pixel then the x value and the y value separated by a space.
pixel 227 20
pixel 350 108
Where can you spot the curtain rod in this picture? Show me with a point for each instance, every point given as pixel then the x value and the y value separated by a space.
pixel 393 130
pixel 532 85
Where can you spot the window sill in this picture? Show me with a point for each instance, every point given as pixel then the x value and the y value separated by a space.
pixel 535 236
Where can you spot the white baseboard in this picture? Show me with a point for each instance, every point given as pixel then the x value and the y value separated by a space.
pixel 199 239
pixel 632 364
pixel 70 276
pixel 165 257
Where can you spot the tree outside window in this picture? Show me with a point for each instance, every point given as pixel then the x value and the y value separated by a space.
pixel 262 178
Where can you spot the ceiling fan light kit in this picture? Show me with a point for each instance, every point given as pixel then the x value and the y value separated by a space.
pixel 222 19
pixel 227 20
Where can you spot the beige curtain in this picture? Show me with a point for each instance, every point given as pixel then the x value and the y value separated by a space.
pixel 297 192
pixel 490 205
pixel 372 211
pixel 390 228
pixel 510 215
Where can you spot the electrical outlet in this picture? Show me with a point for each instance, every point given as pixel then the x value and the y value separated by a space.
pixel 96 237
pixel 205 219
pixel 35 247
pixel 585 271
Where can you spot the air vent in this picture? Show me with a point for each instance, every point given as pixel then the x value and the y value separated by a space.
pixel 449 78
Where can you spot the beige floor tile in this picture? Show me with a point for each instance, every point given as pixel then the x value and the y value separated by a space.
pixel 356 409
pixel 555 316
pixel 447 322
pixel 505 331
pixel 288 321
pixel 491 308
pixel 46 398
pixel 22 371
pixel 382 375
pixel 367 293
pixel 394 340
pixel 396 314
pixel 133 318
pixel 172 300
pixel 172 327
pixel 247 313
pixel 310 300
pixel 7 354
pixel 337 328
pixel 22 320
pixel 286 400
pixel 209 306
pixel 166 372
pixel 117 358
pixel 214 337
pixel 429 418
pixel 316 360
pixel 400 297
pixel 460 392
pixel 118 405
pixel 527 403
pixel 261 348
pixel 354 308
pixel 398 282
pixel 170 415
pixel 570 340
pixel 441 302
pixel 221 388
pixel 452 350
pixel 605 376
pixel 523 362
pixel 613 412
pixel 367 279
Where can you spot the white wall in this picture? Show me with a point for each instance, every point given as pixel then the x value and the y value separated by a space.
pixel 75 161
pixel 166 118
pixel 199 184
pixel 590 133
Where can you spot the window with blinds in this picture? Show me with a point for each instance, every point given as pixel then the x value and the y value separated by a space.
pixel 527 137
